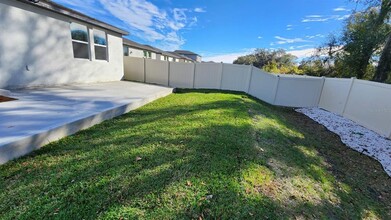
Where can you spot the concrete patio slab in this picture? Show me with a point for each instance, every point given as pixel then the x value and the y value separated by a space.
pixel 44 115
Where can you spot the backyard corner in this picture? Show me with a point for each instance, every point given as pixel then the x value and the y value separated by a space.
pixel 198 154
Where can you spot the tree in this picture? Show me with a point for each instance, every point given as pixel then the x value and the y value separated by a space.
pixel 357 51
pixel 246 60
pixel 277 61
pixel 383 70
pixel 364 34
pixel 315 66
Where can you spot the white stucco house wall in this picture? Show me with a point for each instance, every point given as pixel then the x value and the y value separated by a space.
pixel 134 49
pixel 44 44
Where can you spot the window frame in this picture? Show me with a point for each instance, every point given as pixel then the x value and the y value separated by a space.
pixel 80 41
pixel 125 51
pixel 147 54
pixel 100 45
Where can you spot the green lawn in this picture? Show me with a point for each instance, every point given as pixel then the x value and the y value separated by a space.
pixel 197 155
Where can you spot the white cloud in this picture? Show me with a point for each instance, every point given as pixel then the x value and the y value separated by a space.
pixel 227 57
pixel 341 9
pixel 259 37
pixel 283 40
pixel 317 19
pixel 314 16
pixel 180 14
pixel 142 18
pixel 322 18
pixel 300 46
pixel 343 17
pixel 199 10
pixel 303 53
pixel 315 36
pixel 193 22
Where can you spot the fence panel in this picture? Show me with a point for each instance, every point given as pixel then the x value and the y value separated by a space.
pixel 235 77
pixel 369 104
pixel 299 91
pixel 335 94
pixel 156 72
pixel 134 69
pixel 366 103
pixel 263 85
pixel 208 75
pixel 181 75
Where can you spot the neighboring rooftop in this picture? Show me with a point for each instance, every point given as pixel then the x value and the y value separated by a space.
pixel 62 10
pixel 180 56
pixel 186 52
pixel 134 44
pixel 171 54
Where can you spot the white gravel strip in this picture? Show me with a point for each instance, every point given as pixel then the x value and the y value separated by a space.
pixel 354 136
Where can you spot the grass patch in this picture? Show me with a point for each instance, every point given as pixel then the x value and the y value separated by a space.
pixel 197 155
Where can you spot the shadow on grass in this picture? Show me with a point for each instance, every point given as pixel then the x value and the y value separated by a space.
pixel 197 153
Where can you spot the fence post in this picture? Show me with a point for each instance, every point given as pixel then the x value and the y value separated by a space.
pixel 169 70
pixel 194 74
pixel 321 91
pixel 222 72
pixel 145 70
pixel 250 78
pixel 348 97
pixel 276 90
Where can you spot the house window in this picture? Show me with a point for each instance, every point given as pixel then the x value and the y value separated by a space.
pixel 100 45
pixel 147 54
pixel 80 42
pixel 126 51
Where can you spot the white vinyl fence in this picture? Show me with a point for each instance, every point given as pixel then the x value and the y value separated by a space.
pixel 366 103
pixel 181 75
pixel 208 75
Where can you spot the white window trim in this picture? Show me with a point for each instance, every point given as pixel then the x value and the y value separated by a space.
pixel 100 45
pixel 82 42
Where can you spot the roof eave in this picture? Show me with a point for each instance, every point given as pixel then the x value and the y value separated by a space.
pixel 62 10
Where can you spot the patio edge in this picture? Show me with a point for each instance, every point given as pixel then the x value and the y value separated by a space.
pixel 24 146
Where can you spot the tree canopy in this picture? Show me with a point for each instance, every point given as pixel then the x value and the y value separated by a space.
pixel 363 49
pixel 276 61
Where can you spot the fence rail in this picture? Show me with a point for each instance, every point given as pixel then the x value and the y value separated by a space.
pixel 366 103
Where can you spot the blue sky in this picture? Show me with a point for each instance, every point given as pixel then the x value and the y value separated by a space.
pixel 222 30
